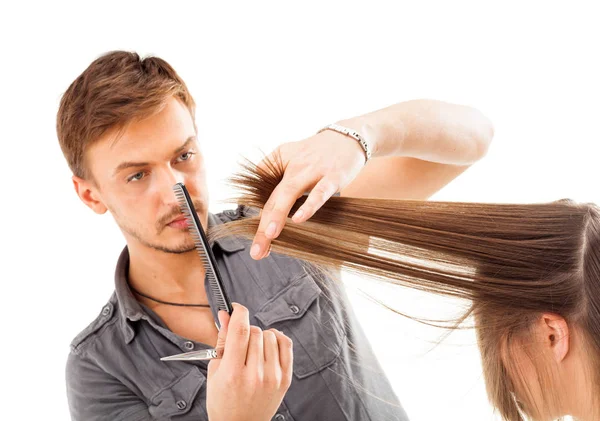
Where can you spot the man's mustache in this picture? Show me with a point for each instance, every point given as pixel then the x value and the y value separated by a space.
pixel 174 213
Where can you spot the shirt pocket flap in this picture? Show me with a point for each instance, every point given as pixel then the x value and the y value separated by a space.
pixel 290 303
pixel 177 398
pixel 302 312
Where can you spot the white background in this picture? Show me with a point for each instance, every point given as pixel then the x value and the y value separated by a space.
pixel 263 73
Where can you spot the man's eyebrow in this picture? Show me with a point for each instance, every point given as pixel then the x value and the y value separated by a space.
pixel 185 144
pixel 129 164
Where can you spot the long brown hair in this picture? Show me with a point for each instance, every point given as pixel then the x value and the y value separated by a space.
pixel 511 262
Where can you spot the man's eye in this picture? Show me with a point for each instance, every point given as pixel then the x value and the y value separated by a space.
pixel 136 177
pixel 186 156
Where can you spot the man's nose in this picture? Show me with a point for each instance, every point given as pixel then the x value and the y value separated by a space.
pixel 169 178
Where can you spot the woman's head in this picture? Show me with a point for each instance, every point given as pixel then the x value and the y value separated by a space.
pixel 541 353
pixel 531 273
pixel 537 364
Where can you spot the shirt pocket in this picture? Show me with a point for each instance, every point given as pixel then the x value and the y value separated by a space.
pixel 178 398
pixel 303 312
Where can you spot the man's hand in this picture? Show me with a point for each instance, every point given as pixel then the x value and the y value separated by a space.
pixel 426 143
pixel 248 383
pixel 322 164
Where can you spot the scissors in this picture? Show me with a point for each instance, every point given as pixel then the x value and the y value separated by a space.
pixel 203 354
pixel 210 265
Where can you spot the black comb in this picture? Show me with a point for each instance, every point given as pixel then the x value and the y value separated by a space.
pixel 203 248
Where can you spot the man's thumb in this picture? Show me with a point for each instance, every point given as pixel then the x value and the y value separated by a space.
pixel 224 321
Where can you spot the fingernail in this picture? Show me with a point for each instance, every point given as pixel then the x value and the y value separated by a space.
pixel 220 315
pixel 255 250
pixel 270 232
pixel 298 214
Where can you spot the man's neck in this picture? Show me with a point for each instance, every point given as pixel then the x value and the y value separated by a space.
pixel 167 276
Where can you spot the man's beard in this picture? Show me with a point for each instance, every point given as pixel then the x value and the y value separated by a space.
pixel 161 225
pixel 180 249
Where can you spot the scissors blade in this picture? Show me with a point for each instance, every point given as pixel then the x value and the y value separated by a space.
pixel 203 354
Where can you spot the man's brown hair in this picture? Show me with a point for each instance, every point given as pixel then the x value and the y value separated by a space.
pixel 117 88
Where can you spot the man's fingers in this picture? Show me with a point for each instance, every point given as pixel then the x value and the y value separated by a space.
pixel 271 347
pixel 286 357
pixel 272 366
pixel 320 194
pixel 275 212
pixel 224 320
pixel 255 357
pixel 213 365
pixel 266 164
pixel 238 335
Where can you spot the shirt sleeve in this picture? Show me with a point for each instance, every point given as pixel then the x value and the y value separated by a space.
pixel 95 395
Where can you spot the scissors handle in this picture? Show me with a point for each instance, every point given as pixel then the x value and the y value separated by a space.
pixel 203 354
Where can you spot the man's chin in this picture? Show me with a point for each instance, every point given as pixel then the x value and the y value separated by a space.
pixel 179 244
pixel 172 247
pixel 175 243
pixel 181 250
pixel 174 250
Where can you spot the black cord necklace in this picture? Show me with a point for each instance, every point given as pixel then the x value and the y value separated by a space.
pixel 167 302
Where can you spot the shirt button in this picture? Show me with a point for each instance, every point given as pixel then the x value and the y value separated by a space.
pixel 279 417
pixel 294 310
pixel 181 404
pixel 188 345
pixel 106 310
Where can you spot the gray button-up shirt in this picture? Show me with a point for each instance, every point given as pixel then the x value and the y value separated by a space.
pixel 114 370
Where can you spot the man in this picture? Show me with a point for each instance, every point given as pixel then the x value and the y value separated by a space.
pixel 293 349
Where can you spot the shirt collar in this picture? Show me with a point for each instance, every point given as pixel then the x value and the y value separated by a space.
pixel 129 307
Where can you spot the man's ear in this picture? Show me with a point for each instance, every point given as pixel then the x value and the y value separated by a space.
pixel 556 335
pixel 89 195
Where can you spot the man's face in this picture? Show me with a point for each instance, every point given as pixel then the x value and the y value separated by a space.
pixel 135 175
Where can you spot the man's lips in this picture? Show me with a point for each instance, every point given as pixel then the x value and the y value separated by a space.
pixel 180 220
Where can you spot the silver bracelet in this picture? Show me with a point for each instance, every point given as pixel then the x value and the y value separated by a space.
pixel 353 134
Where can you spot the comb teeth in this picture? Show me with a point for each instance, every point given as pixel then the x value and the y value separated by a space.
pixel 194 227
